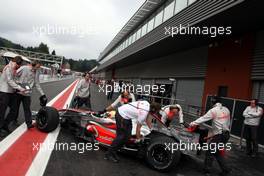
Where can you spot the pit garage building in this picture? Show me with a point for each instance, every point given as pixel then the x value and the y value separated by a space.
pixel 192 66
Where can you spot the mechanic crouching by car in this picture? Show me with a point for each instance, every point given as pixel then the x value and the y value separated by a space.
pixel 27 76
pixel 82 95
pixel 125 97
pixel 7 88
pixel 172 115
pixel 252 116
pixel 139 110
pixel 220 117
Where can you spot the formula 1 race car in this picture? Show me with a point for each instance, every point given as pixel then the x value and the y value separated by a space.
pixel 160 147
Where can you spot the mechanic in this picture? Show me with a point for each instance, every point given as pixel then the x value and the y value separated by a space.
pixel 172 115
pixel 124 98
pixel 252 116
pixel 82 95
pixel 7 88
pixel 27 77
pixel 139 110
pixel 220 117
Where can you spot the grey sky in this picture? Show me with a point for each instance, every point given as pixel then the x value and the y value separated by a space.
pixel 77 29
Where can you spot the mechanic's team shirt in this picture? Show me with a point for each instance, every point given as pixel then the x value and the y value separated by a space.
pixel 220 117
pixel 121 101
pixel 25 76
pixel 136 110
pixel 252 115
pixel 8 85
pixel 167 115
pixel 83 88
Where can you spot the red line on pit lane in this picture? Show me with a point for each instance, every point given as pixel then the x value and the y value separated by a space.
pixel 18 158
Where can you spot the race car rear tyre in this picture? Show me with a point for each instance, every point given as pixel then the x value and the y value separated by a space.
pixel 159 155
pixel 47 119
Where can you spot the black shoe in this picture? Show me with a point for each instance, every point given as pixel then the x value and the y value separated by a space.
pixel 3 133
pixel 30 126
pixel 110 156
pixel 115 156
pixel 226 172
pixel 207 174
pixel 5 128
pixel 249 153
pixel 15 123
pixel 254 155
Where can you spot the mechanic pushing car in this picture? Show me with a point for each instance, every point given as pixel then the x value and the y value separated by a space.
pixel 82 95
pixel 27 76
pixel 172 115
pixel 139 110
pixel 7 88
pixel 220 117
pixel 252 116
pixel 125 97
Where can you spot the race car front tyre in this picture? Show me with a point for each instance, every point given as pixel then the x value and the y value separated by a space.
pixel 159 155
pixel 47 119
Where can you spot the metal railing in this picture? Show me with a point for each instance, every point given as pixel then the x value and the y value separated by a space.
pixel 52 59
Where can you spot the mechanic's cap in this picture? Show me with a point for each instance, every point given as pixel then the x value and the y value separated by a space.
pixel 155 107
pixel 215 99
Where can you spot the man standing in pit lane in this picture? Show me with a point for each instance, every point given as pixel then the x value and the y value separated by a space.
pixel 27 76
pixel 252 114
pixel 139 110
pixel 7 88
pixel 82 95
pixel 220 117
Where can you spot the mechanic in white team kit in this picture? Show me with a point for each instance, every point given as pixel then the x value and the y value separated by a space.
pixel 252 116
pixel 139 110
pixel 220 117
pixel 27 76
pixel 172 115
pixel 124 98
pixel 7 89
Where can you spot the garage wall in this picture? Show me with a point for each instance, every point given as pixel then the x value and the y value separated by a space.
pixel 258 90
pixel 187 92
pixel 229 66
pixel 257 74
pixel 191 91
pixel 188 68
pixel 188 64
pixel 258 58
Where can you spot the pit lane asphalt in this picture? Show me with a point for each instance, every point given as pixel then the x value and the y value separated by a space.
pixel 91 163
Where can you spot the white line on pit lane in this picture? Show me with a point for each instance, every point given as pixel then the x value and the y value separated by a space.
pixel 40 162
pixel 11 138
